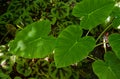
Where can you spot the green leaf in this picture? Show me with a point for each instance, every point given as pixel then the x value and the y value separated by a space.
pixel 116 23
pixel 114 63
pixel 71 48
pixel 116 12
pixel 109 69
pixel 114 40
pixel 17 77
pixel 33 41
pixel 59 73
pixel 93 12
pixel 116 15
pixel 3 75
pixel 23 68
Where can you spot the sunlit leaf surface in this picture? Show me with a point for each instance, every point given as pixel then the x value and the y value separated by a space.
pixel 71 48
pixel 33 41
pixel 93 12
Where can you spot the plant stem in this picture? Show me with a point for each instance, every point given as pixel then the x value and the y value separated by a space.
pixel 91 57
pixel 99 44
pixel 87 33
pixel 103 33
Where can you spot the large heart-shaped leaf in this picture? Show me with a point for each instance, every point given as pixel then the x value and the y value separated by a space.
pixel 33 41
pixel 114 40
pixel 71 48
pixel 109 69
pixel 93 12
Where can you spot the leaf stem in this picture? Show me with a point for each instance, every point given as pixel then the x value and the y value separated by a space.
pixel 91 57
pixel 103 32
pixel 99 44
pixel 87 33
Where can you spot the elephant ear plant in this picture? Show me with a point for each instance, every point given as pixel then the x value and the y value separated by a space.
pixel 72 45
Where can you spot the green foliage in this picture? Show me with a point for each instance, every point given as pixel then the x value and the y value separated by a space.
pixel 93 12
pixel 17 78
pixel 23 68
pixel 108 69
pixel 115 14
pixel 60 39
pixel 71 48
pixel 35 36
pixel 59 73
pixel 3 76
pixel 114 40
pixel 61 10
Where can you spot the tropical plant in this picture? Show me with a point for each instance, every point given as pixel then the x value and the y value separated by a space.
pixel 72 32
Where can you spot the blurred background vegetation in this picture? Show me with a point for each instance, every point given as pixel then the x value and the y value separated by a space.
pixel 17 14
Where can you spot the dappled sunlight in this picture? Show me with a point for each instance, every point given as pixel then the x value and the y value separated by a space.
pixel 32 32
pixel 117 4
pixel 108 19
pixel 20 46
pixel 118 27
